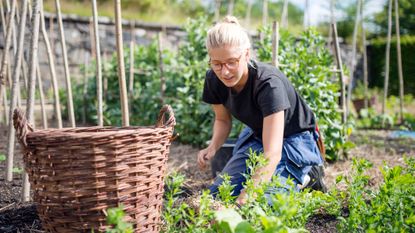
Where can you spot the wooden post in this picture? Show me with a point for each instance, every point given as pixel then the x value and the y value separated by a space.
pixel 57 105
pixel 217 10
pixel 7 43
pixel 306 17
pixel 353 65
pixel 248 13
pixel 3 94
pixel 14 92
pixel 42 97
pixel 34 43
pixel 161 67
pixel 121 70
pixel 332 21
pixel 131 70
pixel 340 68
pixel 275 40
pixel 5 105
pixel 52 34
pixel 105 77
pixel 388 45
pixel 98 64
pixel 264 12
pixel 398 50
pixel 85 90
pixel 66 67
pixel 284 15
pixel 231 4
pixel 364 43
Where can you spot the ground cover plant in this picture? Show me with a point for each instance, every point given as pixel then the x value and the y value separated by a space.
pixel 358 207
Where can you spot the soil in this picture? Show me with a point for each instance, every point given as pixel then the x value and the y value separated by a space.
pixel 376 146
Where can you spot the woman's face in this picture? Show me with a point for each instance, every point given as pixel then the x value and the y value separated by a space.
pixel 230 65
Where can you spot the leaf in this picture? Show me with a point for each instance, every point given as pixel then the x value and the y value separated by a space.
pixel 228 219
pixel 244 227
pixel 2 157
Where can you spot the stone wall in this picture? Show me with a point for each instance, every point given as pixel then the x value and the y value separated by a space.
pixel 78 42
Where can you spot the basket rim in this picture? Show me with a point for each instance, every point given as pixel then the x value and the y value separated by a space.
pixel 95 131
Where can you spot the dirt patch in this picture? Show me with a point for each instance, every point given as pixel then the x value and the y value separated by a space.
pixel 376 146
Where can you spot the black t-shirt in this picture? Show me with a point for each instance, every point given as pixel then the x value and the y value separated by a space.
pixel 266 91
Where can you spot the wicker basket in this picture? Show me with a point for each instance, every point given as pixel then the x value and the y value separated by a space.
pixel 78 173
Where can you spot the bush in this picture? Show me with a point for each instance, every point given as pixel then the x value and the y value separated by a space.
pixel 306 62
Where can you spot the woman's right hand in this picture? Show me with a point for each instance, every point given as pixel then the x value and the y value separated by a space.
pixel 205 156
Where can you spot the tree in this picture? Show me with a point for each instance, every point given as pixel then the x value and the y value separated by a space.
pixel 406 18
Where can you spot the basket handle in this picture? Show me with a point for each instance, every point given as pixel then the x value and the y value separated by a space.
pixel 171 121
pixel 21 125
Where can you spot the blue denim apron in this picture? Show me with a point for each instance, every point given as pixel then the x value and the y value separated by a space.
pixel 299 154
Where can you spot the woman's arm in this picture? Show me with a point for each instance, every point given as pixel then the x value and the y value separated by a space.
pixel 221 129
pixel 272 139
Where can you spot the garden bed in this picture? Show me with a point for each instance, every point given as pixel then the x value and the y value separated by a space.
pixel 375 146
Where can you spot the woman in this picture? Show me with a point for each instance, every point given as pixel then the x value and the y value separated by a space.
pixel 279 122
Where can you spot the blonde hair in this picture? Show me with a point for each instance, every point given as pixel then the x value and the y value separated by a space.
pixel 227 33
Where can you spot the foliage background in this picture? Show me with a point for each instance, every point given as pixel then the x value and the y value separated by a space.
pixel 308 67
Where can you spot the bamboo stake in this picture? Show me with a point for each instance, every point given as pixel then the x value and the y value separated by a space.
pixel 217 10
pixel 131 70
pixel 98 65
pixel 5 106
pixel 66 67
pixel 8 42
pixel 3 94
pixel 306 17
pixel 340 68
pixel 14 92
pixel 52 34
pixel 332 20
pixel 388 45
pixel 42 97
pixel 34 43
pixel 92 37
pixel 121 70
pixel 398 49
pixel 231 4
pixel 275 44
pixel 248 13
pixel 264 12
pixel 353 65
pixel 57 104
pixel 105 77
pixel 85 90
pixel 284 15
pixel 161 68
pixel 364 43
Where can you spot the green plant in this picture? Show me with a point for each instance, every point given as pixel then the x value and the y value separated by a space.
pixel 17 170
pixel 2 157
pixel 307 62
pixel 115 219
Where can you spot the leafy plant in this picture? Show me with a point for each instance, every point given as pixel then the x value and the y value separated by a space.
pixel 115 218
pixel 2 157
pixel 307 63
pixel 17 170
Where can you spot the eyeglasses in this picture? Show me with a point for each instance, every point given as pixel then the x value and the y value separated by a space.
pixel 231 64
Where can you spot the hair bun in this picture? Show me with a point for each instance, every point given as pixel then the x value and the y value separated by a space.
pixel 230 19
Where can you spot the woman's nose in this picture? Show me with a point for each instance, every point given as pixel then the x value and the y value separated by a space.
pixel 224 70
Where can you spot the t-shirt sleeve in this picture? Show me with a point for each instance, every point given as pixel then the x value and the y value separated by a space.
pixel 272 96
pixel 210 90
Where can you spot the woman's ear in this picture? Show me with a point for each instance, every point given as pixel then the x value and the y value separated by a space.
pixel 248 54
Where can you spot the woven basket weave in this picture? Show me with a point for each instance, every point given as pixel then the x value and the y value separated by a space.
pixel 78 173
